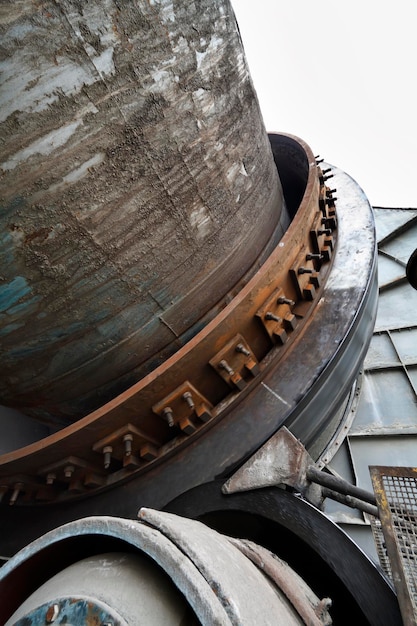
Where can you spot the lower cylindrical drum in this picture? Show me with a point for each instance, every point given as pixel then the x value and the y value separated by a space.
pixel 166 570
pixel 138 192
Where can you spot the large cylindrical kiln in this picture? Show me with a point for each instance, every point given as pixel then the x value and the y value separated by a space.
pixel 138 193
pixel 175 287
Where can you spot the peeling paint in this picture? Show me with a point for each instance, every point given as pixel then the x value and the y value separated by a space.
pixel 45 145
pixel 12 292
pixel 200 220
pixel 205 57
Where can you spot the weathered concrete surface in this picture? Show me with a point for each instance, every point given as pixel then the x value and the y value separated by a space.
pixel 137 190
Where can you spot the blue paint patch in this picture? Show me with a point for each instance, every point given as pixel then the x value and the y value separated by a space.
pixel 23 306
pixel 12 292
pixel 74 611
pixel 7 247
pixel 9 243
pixel 5 330
pixel 10 209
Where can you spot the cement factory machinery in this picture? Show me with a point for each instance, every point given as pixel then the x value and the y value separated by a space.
pixel 185 305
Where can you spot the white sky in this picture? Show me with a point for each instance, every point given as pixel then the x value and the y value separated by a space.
pixel 342 76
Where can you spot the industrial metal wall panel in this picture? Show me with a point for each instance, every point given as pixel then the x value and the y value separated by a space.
pixel 384 427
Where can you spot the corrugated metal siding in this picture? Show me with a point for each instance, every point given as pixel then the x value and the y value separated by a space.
pixel 384 429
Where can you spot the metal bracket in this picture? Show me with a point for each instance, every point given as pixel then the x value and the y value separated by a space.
pixel 277 317
pixel 182 406
pixel 305 277
pixel 282 460
pixel 75 471
pixel 322 242
pixel 20 487
pixel 234 361
pixel 124 443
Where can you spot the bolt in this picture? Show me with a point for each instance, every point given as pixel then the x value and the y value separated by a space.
pixel 107 450
pixel 329 169
pixel 272 316
pixel 241 348
pixel 223 365
pixel 50 478
pixel 318 160
pixel 52 613
pixel 305 270
pixel 68 471
pixel 327 177
pixel 326 231
pixel 16 490
pixel 313 257
pixel 168 415
pixel 189 399
pixel 330 191
pixel 127 440
pixel 283 300
pixel 331 200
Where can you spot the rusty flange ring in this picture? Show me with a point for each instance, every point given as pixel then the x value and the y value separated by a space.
pixel 207 377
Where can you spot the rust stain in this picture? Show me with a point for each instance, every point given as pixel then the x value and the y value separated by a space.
pixel 40 234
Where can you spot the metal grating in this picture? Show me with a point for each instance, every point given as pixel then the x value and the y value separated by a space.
pixel 396 494
pixel 381 548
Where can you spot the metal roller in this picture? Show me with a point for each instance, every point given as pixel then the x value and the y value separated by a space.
pixel 173 570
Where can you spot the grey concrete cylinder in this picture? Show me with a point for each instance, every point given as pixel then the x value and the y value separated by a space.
pixel 138 191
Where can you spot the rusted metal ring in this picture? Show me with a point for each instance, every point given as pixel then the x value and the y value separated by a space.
pixel 200 383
